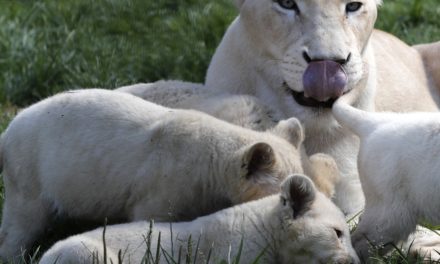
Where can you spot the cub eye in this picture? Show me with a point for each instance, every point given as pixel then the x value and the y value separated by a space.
pixel 288 4
pixel 353 7
pixel 338 232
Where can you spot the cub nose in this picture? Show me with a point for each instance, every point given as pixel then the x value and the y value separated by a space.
pixel 339 60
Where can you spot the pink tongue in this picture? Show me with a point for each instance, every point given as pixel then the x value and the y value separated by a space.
pixel 324 80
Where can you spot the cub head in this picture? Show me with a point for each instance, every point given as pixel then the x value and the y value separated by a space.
pixel 313 49
pixel 313 229
pixel 263 165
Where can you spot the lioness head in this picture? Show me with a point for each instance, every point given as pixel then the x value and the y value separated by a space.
pixel 316 45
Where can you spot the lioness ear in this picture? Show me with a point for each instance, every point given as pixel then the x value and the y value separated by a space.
pixel 298 192
pixel 238 3
pixel 291 130
pixel 257 158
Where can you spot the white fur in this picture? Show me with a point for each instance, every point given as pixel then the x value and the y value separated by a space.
pixel 266 224
pixel 91 154
pixel 399 170
pixel 243 110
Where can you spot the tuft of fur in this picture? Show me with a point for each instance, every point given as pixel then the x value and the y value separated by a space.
pixel 324 172
pixel 358 121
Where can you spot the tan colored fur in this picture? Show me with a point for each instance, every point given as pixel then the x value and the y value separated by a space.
pixel 324 172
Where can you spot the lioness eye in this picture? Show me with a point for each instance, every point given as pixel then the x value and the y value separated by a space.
pixel 288 4
pixel 353 7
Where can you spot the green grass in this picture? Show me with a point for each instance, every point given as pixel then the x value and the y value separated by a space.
pixel 47 46
pixel 414 21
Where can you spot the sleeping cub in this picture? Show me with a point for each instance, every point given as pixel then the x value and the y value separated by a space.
pixel 300 225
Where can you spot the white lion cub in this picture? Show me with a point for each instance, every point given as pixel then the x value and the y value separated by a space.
pixel 242 110
pixel 299 226
pixel 399 170
pixel 95 154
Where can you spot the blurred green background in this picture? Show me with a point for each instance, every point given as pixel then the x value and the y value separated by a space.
pixel 48 46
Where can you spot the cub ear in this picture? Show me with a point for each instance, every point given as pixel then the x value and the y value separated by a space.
pixel 291 130
pixel 239 3
pixel 257 158
pixel 298 192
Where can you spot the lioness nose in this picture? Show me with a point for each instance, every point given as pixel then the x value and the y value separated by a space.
pixel 341 61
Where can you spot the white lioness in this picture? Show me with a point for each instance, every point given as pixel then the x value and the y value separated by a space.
pixel 298 56
pixel 399 170
pixel 92 154
pixel 299 226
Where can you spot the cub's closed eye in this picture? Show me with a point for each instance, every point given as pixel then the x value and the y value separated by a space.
pixel 353 7
pixel 288 4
